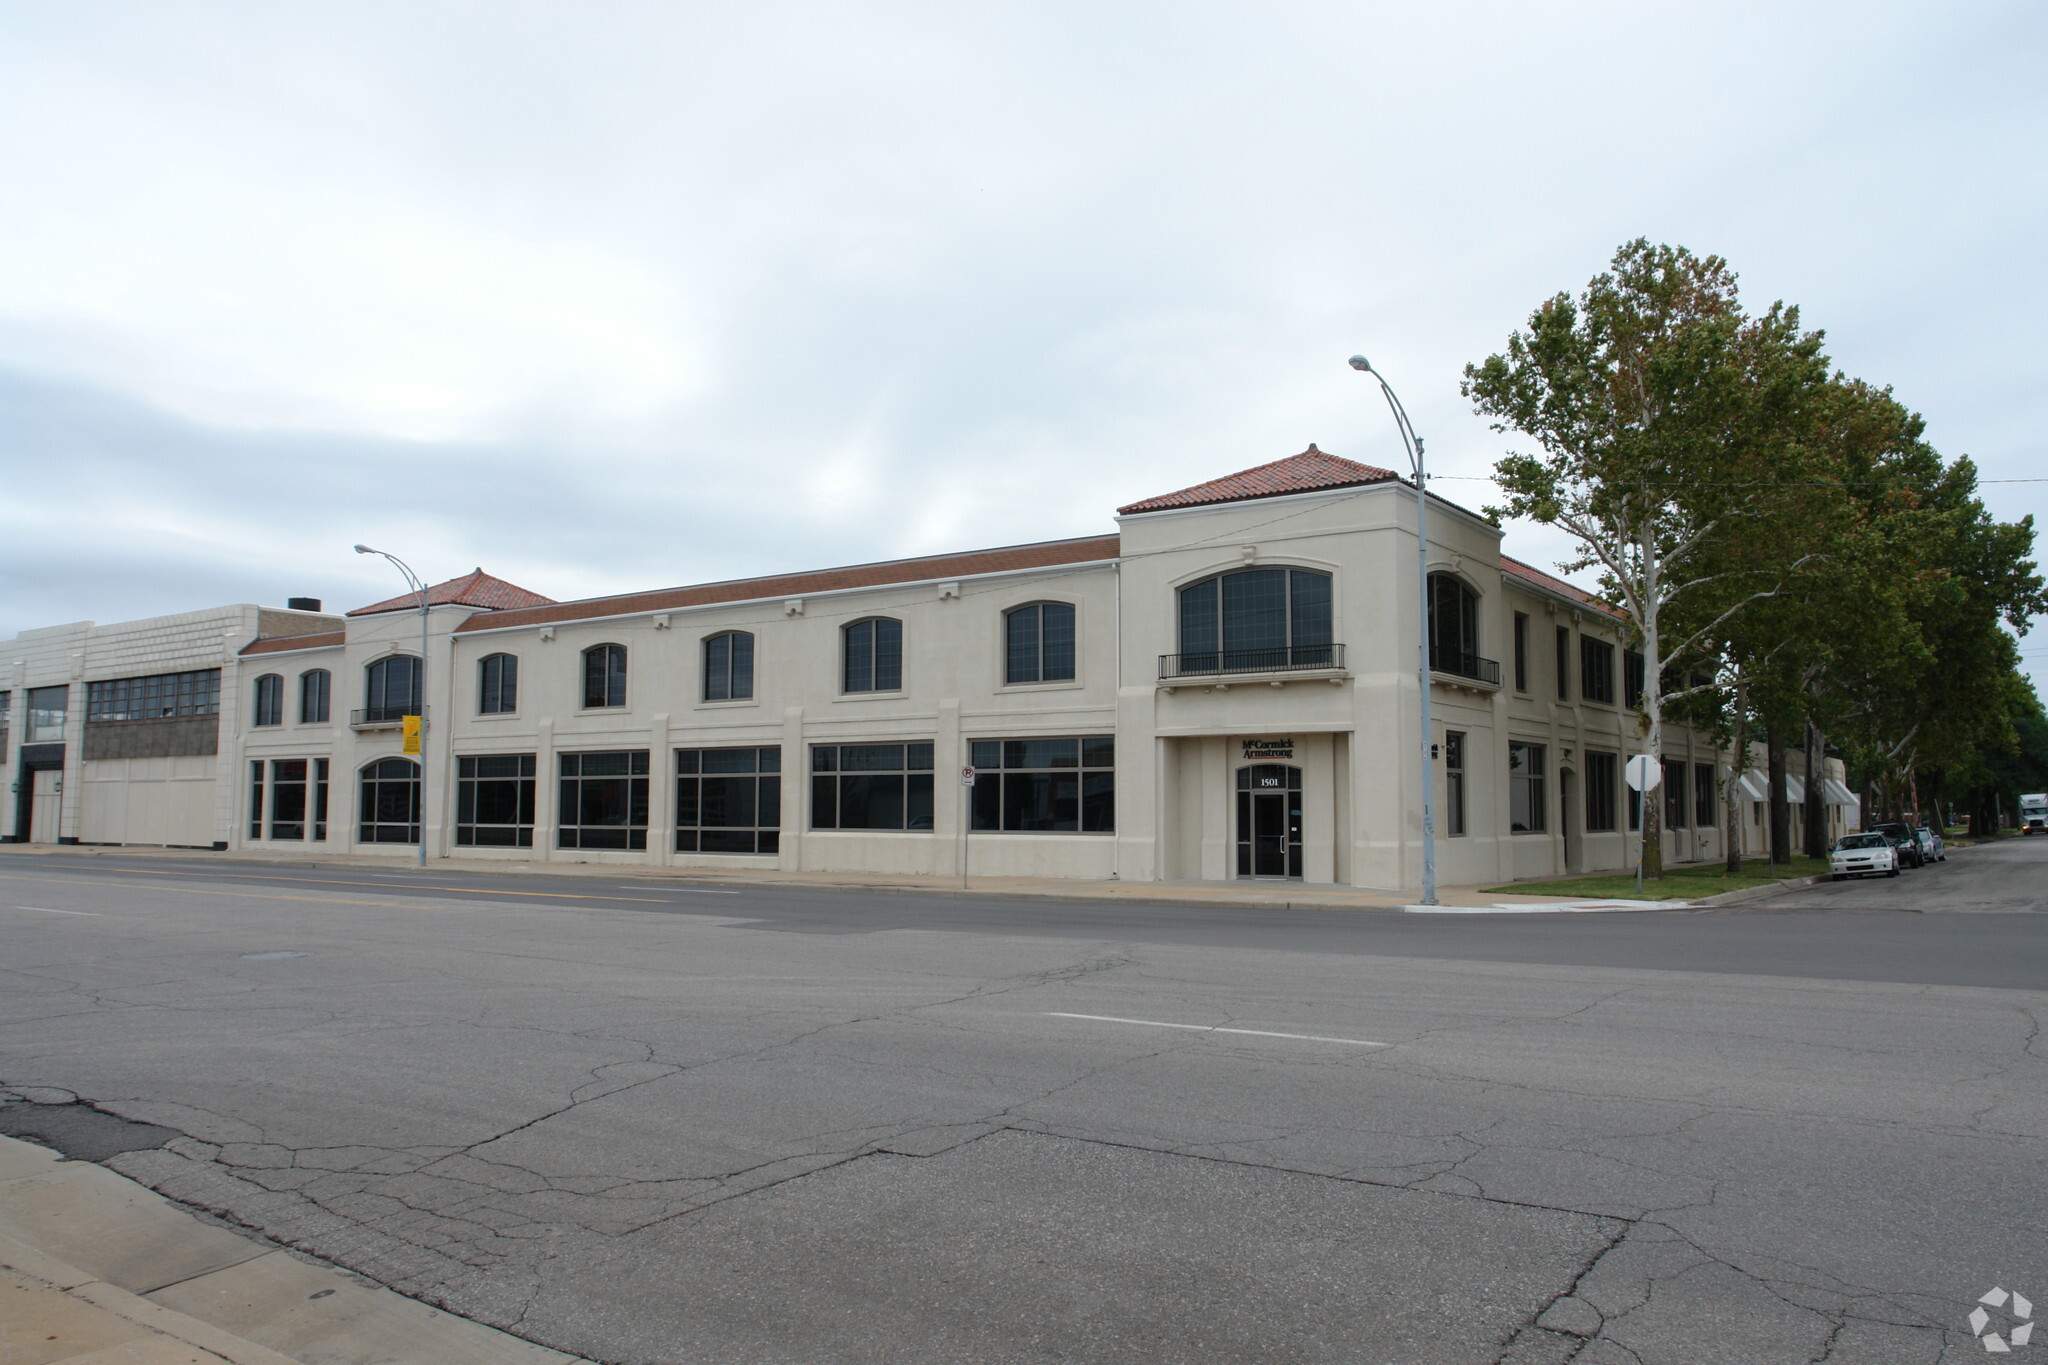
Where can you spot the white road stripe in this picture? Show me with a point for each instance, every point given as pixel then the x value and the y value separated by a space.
pixel 1215 1028
pixel 90 914
pixel 676 890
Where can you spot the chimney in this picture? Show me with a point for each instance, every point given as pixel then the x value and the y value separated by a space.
pixel 303 603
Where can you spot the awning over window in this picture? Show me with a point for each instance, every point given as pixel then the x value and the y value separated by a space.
pixel 1795 789
pixel 1752 787
pixel 1835 794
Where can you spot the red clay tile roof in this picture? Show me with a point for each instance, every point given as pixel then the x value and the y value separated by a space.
pixel 1045 554
pixel 1529 573
pixel 1303 473
pixel 279 644
pixel 477 589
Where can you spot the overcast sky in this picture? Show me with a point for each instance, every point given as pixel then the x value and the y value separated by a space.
pixel 612 296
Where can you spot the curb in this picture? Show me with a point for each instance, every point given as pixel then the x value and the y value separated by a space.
pixel 1758 893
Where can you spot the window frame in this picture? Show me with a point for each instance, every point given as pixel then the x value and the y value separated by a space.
pixel 1522 651
pixel 608 685
pixel 497 685
pixel 266 705
pixel 1705 802
pixel 1467 598
pixel 193 692
pixel 1528 787
pixel 316 698
pixel 879 642
pixel 377 681
pixel 763 798
pixel 1603 777
pixel 1596 670
pixel 1454 784
pixel 636 791
pixel 1677 795
pixel 1012 781
pixel 1043 673
pixel 383 772
pixel 470 781
pixel 833 768
pixel 1321 652
pixel 722 678
pixel 1564 663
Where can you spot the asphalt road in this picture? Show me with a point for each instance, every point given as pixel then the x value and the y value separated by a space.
pixel 651 1123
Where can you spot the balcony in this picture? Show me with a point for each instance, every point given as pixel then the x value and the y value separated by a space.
pixel 384 717
pixel 1458 664
pixel 1228 663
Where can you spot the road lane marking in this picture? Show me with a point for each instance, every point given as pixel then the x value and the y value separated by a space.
pixel 675 891
pixel 91 914
pixel 1215 1028
pixel 336 881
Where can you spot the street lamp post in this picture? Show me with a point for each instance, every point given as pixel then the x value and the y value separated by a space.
pixel 1414 445
pixel 418 585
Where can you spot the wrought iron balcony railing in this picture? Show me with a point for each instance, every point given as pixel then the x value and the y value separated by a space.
pixel 1224 662
pixel 1459 664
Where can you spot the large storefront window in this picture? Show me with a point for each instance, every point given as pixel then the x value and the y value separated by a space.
pixel 871 786
pixel 1045 786
pixel 604 800
pixel 390 804
pixel 494 799
pixel 729 800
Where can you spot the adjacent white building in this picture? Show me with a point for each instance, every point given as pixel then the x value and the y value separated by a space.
pixel 1224 688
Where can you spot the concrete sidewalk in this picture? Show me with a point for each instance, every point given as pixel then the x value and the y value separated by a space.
pixel 98 1270
pixel 1269 895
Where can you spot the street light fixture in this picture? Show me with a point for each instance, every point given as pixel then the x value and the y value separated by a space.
pixel 418 585
pixel 1414 445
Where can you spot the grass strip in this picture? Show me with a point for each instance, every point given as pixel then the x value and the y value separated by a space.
pixel 1690 883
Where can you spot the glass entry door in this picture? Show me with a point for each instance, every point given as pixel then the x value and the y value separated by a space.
pixel 1269 821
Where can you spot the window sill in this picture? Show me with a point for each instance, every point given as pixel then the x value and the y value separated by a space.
pixel 1063 685
pixel 732 704
pixel 489 716
pixel 873 696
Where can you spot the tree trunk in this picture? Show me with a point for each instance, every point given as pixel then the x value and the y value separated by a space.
pixel 1816 808
pixel 1731 845
pixel 1781 813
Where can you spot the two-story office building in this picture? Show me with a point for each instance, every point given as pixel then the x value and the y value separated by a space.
pixel 1224 688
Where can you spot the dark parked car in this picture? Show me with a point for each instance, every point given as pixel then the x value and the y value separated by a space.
pixel 1902 834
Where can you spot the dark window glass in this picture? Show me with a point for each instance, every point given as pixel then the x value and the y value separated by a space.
pixel 392 688
pixel 320 771
pixel 1454 783
pixel 494 795
pixel 1596 670
pixel 1521 652
pixel 604 799
pixel 1045 785
pixel 874 655
pixel 1601 770
pixel 1453 625
pixel 729 666
pixel 871 786
pixel 497 685
pixel 1635 809
pixel 1631 678
pixel 255 798
pixel 1039 643
pixel 1703 802
pixel 316 686
pixel 1675 794
pixel 1564 663
pixel 1526 804
pixel 47 707
pixel 1256 618
pixel 156 697
pixel 288 798
pixel 269 700
pixel 390 810
pixel 728 800
pixel 604 676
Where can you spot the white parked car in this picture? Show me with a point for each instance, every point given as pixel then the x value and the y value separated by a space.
pixel 1863 855
pixel 1933 849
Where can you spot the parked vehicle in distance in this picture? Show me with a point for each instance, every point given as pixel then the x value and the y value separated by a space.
pixel 1863 855
pixel 2034 813
pixel 1901 834
pixel 1932 848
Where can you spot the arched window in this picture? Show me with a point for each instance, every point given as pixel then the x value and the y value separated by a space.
pixel 1454 629
pixel 391 688
pixel 269 700
pixel 1255 620
pixel 315 687
pixel 1038 643
pixel 604 675
pixel 497 685
pixel 729 666
pixel 874 655
pixel 390 809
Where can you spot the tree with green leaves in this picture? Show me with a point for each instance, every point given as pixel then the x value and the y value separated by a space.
pixel 1666 416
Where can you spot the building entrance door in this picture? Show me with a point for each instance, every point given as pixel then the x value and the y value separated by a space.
pixel 46 802
pixel 1269 821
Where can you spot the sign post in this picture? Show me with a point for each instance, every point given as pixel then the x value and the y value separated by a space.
pixel 1642 772
pixel 966 820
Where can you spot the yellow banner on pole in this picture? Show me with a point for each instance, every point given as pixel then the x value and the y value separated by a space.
pixel 411 731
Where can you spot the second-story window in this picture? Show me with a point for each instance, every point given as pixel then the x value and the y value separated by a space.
pixel 497 681
pixel 1564 663
pixel 269 700
pixel 1521 651
pixel 1038 643
pixel 1256 619
pixel 316 686
pixel 729 666
pixel 874 655
pixel 392 688
pixel 1454 628
pixel 604 675
pixel 1596 670
pixel 1631 680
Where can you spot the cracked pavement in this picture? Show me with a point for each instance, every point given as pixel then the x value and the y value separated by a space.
pixel 806 1126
